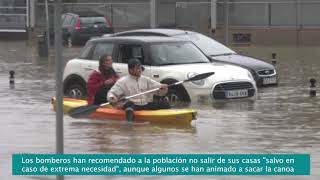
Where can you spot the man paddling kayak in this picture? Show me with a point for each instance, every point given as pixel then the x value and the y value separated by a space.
pixel 135 83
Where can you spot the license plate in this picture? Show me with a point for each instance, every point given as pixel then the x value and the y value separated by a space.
pixel 237 93
pixel 270 80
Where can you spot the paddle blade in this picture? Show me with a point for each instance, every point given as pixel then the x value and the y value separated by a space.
pixel 200 76
pixel 83 111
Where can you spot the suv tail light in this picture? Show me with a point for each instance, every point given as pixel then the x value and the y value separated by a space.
pixel 78 24
pixel 108 21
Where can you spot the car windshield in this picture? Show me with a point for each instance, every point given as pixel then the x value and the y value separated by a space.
pixel 209 46
pixel 176 53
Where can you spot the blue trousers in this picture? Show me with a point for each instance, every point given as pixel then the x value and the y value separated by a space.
pixel 149 106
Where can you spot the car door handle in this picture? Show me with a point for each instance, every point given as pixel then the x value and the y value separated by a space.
pixel 88 68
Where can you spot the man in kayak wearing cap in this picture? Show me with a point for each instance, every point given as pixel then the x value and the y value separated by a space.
pixel 135 83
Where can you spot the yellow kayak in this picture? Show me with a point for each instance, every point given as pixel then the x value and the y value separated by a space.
pixel 162 116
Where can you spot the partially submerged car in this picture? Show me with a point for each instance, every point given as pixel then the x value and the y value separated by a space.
pixel 165 59
pixel 264 73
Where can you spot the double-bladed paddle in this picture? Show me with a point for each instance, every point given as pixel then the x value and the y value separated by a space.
pixel 83 111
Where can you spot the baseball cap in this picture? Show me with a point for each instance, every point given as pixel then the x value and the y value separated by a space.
pixel 134 62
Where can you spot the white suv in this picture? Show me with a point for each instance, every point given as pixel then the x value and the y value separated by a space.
pixel 166 60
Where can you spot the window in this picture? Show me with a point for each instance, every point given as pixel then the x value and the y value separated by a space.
pixel 209 46
pixel 14 15
pixel 101 49
pixel 86 51
pixel 93 20
pixel 73 21
pixel 137 52
pixel 127 52
pixel 176 53
pixel 62 17
pixel 67 20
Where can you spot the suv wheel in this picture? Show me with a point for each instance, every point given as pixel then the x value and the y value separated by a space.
pixel 69 42
pixel 76 91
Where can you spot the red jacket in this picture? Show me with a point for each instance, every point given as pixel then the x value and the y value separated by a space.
pixel 95 82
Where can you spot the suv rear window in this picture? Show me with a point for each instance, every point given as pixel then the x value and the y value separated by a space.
pixel 93 20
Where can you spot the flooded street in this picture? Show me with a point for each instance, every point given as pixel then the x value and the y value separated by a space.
pixel 283 119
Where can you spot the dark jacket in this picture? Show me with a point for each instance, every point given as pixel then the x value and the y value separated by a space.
pixel 95 82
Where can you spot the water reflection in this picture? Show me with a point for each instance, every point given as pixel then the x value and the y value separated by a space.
pixel 237 105
pixel 124 137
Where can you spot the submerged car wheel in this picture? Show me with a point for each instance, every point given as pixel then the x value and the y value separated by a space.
pixel 173 97
pixel 76 91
